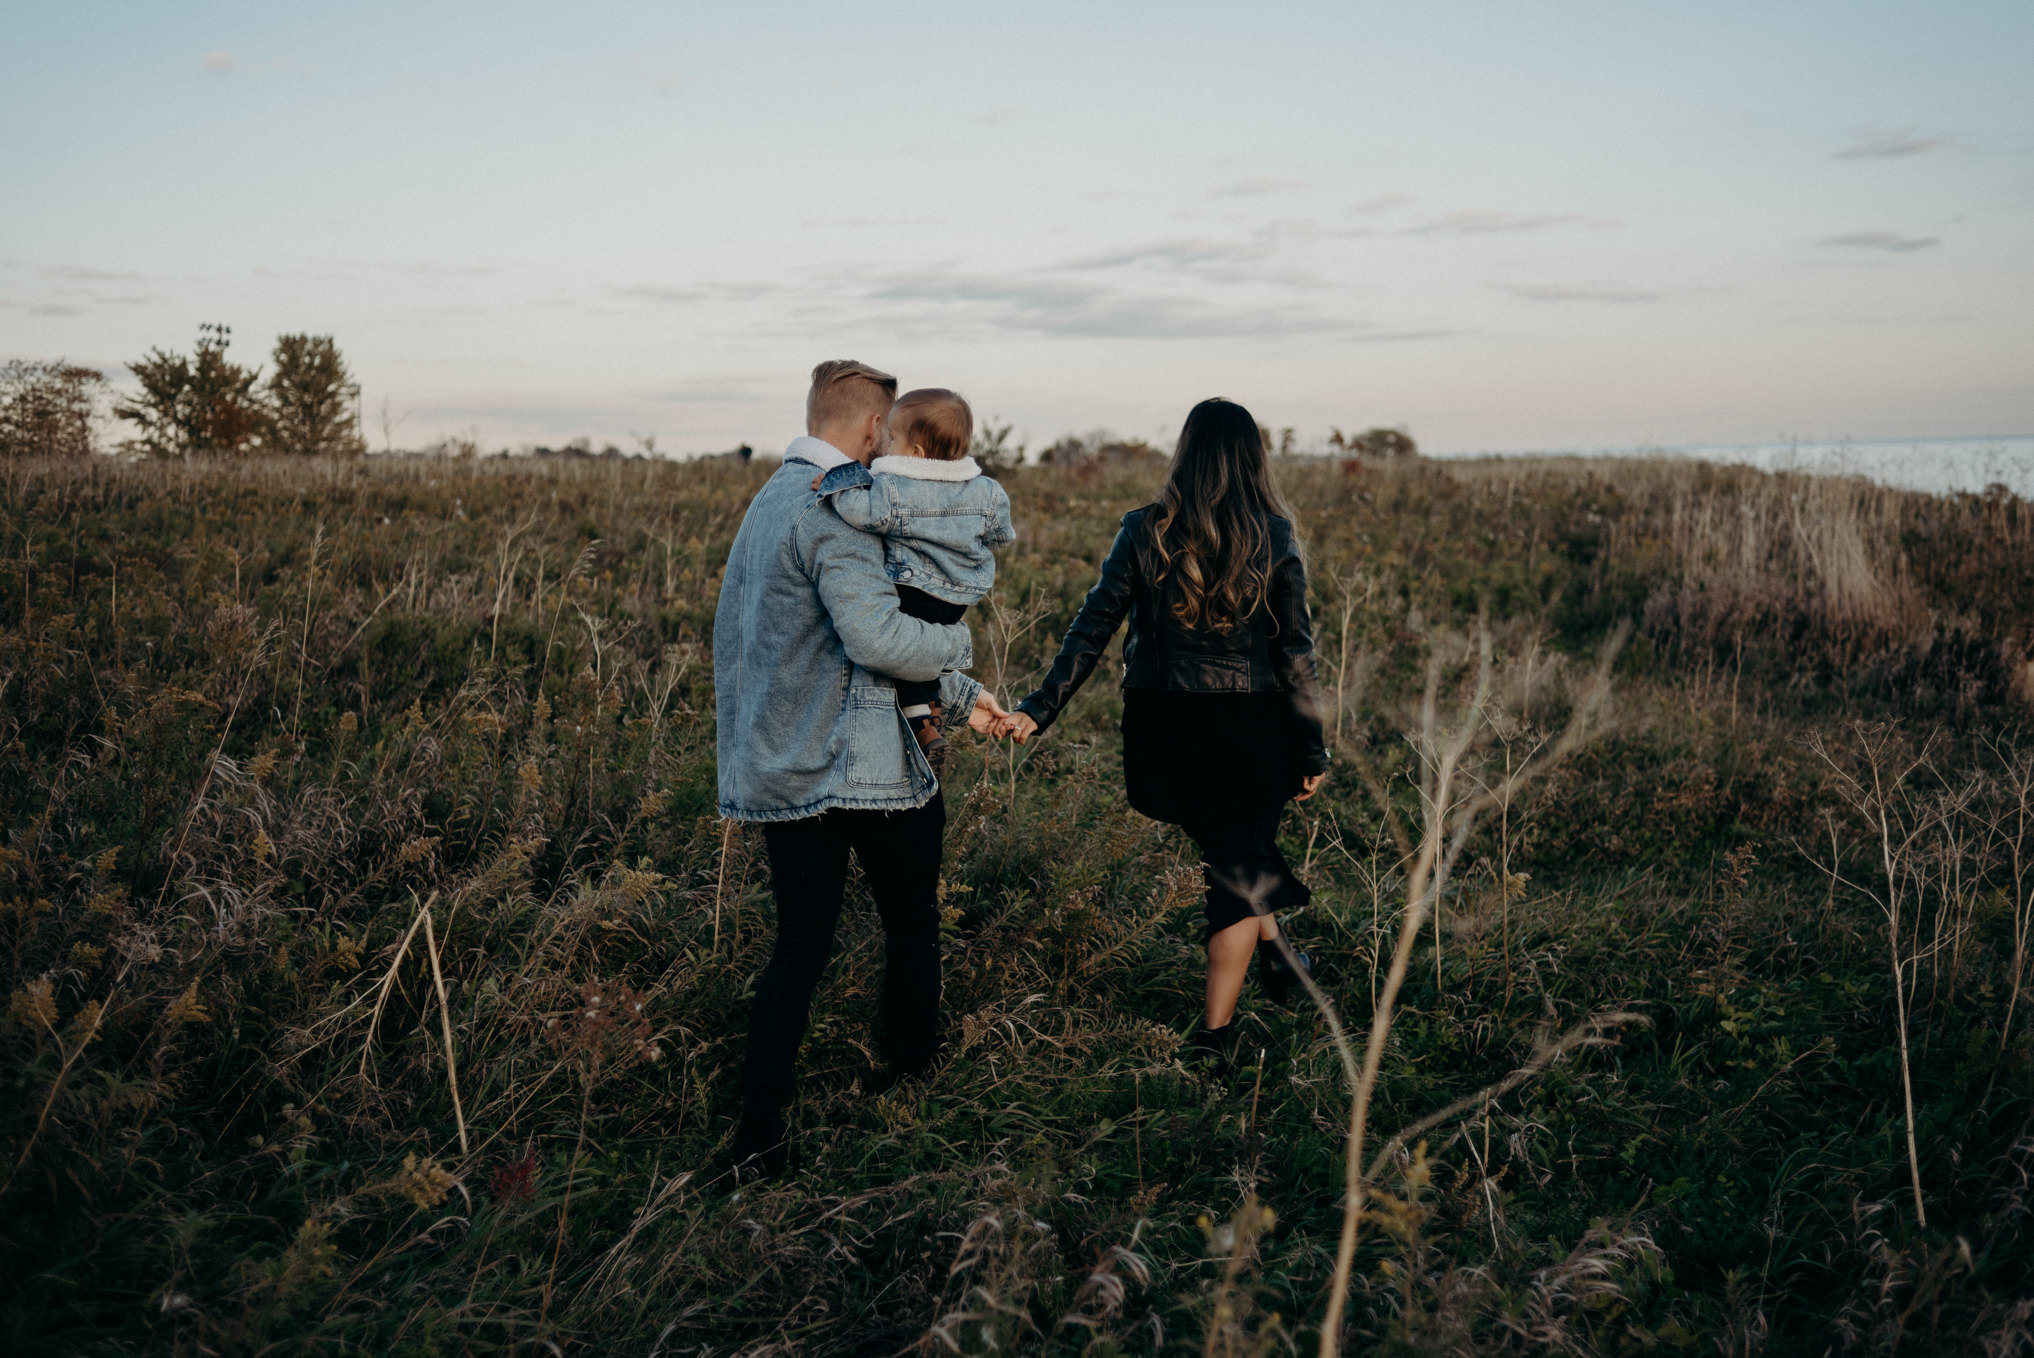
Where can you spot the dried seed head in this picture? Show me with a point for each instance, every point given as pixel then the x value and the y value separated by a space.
pixel 424 1182
pixel 186 1009
pixel 34 1004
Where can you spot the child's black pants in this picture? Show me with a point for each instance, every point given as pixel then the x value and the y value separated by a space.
pixel 916 603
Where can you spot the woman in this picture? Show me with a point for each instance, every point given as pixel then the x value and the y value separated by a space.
pixel 1221 709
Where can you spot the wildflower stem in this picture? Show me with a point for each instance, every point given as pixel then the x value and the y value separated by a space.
pixel 445 1025
pixel 720 880
pixel 388 980
pixel 55 1085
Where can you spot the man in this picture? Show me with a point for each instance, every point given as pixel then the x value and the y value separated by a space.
pixel 807 643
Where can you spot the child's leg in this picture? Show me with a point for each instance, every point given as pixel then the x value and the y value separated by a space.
pixel 916 693
pixel 919 699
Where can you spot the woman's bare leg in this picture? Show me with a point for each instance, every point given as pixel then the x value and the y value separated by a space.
pixel 1229 954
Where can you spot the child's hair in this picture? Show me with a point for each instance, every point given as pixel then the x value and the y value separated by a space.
pixel 842 386
pixel 935 419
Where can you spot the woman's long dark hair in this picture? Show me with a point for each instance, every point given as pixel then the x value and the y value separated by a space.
pixel 1209 530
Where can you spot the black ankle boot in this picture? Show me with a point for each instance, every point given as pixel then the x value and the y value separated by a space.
pixel 1214 1049
pixel 1277 976
pixel 761 1145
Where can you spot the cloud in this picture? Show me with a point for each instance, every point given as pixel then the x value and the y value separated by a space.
pixel 994 116
pixel 337 267
pixel 81 274
pixel 857 223
pixel 217 63
pixel 555 418
pixel 1485 221
pixel 1184 253
pixel 1382 203
pixel 1881 240
pixel 342 270
pixel 1065 308
pixel 1259 184
pixel 55 309
pixel 715 391
pixel 432 266
pixel 699 292
pixel 1242 260
pixel 1585 292
pixel 1887 148
pixel 1402 336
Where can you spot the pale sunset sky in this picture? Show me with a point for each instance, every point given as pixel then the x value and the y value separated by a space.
pixel 1501 225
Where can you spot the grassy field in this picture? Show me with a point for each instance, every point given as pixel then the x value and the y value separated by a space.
pixel 377 965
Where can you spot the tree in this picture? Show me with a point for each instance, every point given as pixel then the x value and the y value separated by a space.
pixel 994 451
pixel 189 407
pixel 46 409
pixel 312 399
pixel 1376 443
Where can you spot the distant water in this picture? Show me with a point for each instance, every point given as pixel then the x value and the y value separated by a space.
pixel 1934 465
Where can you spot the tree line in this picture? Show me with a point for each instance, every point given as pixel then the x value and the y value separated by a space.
pixel 189 405
pixel 205 404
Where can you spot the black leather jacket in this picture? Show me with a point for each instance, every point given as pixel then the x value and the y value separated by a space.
pixel 1271 652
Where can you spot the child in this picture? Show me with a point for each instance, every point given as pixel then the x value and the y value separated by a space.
pixel 939 518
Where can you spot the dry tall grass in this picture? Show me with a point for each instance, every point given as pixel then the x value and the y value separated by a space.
pixel 377 963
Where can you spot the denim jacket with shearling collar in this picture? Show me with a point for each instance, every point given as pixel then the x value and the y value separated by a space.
pixel 807 645
pixel 940 521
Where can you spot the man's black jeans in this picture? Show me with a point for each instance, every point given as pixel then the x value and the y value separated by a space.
pixel 899 853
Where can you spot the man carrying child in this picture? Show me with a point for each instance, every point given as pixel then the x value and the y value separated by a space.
pixel 810 646
pixel 939 518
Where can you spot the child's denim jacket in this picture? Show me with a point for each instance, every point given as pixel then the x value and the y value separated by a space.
pixel 940 521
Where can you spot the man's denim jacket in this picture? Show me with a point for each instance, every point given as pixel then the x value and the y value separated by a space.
pixel 939 521
pixel 807 645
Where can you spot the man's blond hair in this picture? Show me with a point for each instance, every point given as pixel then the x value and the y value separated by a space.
pixel 843 388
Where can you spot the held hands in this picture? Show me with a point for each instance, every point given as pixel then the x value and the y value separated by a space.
pixel 990 719
pixel 988 715
pixel 1019 725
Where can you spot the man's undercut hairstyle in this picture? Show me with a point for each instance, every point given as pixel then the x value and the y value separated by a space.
pixel 845 389
pixel 935 419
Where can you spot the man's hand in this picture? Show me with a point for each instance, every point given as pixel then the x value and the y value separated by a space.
pixel 1020 725
pixel 1310 784
pixel 988 716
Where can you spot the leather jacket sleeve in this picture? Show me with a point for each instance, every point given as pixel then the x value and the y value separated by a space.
pixel 1101 614
pixel 1292 659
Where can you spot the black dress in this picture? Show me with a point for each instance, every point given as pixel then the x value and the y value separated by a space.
pixel 1221 766
pixel 1191 757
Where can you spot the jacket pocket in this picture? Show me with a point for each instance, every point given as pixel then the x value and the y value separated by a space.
pixel 876 757
pixel 1210 673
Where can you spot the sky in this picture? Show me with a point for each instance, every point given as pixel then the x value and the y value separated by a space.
pixel 1501 226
